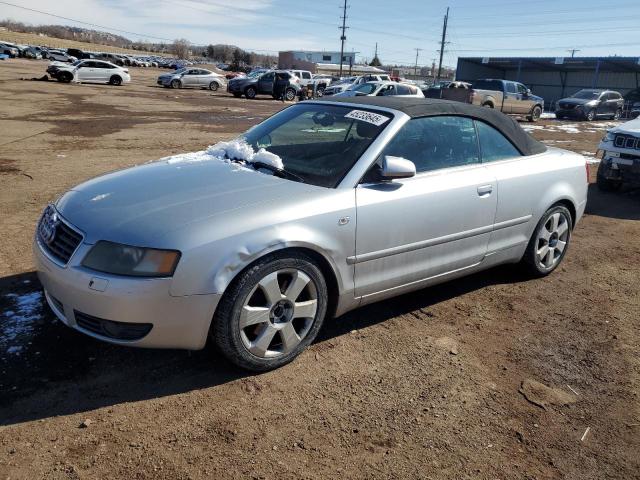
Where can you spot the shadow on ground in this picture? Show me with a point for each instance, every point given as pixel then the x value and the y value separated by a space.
pixel 624 205
pixel 58 371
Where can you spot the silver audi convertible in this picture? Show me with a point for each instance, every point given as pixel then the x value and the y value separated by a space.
pixel 322 208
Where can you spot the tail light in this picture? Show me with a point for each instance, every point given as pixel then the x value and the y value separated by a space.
pixel 588 169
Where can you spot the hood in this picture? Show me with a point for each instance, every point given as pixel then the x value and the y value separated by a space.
pixel 632 127
pixel 141 205
pixel 576 101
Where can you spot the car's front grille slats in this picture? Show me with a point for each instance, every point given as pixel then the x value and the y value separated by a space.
pixel 627 141
pixel 56 237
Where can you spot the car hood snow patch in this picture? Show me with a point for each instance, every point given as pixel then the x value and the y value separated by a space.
pixel 238 150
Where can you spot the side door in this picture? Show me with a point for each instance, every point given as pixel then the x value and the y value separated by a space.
pixel 604 105
pixel 510 98
pixel 190 78
pixel 524 104
pixel 85 72
pixel 266 83
pixel 439 221
pixel 519 178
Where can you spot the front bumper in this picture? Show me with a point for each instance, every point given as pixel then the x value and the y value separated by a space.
pixel 74 292
pixel 570 113
pixel 624 167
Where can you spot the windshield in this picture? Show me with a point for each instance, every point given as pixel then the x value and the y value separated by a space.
pixel 256 73
pixel 366 88
pixel 180 70
pixel 76 63
pixel 319 143
pixel 587 94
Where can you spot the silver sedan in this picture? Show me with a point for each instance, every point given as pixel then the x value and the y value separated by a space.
pixel 322 208
pixel 192 77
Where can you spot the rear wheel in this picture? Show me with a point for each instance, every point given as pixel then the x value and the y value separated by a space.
pixel 535 114
pixel 289 94
pixel 271 312
pixel 487 104
pixel 549 242
pixel 115 80
pixel 250 93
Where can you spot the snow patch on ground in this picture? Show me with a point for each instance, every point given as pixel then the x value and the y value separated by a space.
pixel 237 149
pixel 19 322
pixel 548 115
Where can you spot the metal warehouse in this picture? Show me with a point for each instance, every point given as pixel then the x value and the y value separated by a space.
pixel 554 78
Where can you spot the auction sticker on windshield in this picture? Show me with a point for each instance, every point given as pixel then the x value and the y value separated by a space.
pixel 369 117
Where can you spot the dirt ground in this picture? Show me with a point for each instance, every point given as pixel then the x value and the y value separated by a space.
pixel 491 377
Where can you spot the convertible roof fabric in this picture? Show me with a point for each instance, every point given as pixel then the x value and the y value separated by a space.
pixel 430 107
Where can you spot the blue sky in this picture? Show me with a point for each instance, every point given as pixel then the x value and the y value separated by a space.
pixel 476 28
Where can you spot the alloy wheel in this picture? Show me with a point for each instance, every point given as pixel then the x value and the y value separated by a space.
pixel 552 240
pixel 278 313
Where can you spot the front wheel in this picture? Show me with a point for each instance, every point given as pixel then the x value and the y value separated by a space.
pixel 213 86
pixel 176 84
pixel 115 80
pixel 535 114
pixel 271 312
pixel 65 77
pixel 617 115
pixel 549 242
pixel 606 184
pixel 590 116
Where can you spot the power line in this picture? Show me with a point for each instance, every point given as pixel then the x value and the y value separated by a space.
pixel 415 70
pixel 443 41
pixel 343 37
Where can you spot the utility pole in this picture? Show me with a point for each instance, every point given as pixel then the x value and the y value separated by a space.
pixel 443 41
pixel 573 51
pixel 343 37
pixel 415 70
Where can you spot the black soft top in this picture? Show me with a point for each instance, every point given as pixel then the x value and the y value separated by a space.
pixel 430 107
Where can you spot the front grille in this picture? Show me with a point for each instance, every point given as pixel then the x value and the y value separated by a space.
pixel 567 106
pixel 627 141
pixel 111 329
pixel 57 238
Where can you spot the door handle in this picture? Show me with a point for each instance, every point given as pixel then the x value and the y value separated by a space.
pixel 485 190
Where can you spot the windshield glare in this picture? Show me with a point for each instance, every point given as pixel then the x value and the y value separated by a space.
pixel 587 94
pixel 319 143
pixel 366 88
pixel 180 70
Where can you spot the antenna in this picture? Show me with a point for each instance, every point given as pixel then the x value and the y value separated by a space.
pixel 573 51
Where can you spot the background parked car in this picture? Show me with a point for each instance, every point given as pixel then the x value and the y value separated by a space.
pixel 60 56
pixel 264 84
pixel 506 96
pixel 353 82
pixel 192 78
pixel 589 104
pixel 382 89
pixel 90 71
pixel 632 103
pixel 621 157
pixel 9 49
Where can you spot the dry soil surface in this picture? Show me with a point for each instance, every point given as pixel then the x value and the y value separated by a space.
pixel 495 376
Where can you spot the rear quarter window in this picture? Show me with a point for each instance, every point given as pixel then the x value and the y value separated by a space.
pixel 488 85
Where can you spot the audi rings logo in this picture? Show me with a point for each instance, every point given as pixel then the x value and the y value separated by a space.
pixel 49 225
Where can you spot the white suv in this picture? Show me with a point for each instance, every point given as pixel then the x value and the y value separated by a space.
pixel 304 75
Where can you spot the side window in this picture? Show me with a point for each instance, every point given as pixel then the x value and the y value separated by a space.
pixel 432 143
pixel 510 87
pixel 403 90
pixel 306 75
pixel 493 145
pixel 267 77
pixel 521 88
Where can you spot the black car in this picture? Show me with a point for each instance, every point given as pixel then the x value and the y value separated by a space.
pixel 274 83
pixel 632 103
pixel 589 104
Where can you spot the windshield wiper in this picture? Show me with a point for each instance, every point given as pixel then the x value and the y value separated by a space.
pixel 278 171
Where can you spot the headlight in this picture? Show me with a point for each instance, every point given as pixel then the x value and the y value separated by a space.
pixel 117 259
pixel 609 137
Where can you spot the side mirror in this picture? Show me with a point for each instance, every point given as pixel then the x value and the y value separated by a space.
pixel 397 167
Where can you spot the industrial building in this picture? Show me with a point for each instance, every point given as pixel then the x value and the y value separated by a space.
pixel 555 78
pixel 323 62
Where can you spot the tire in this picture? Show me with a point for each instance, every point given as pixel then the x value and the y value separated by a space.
pixel 213 86
pixel 617 115
pixel 590 116
pixel 250 93
pixel 261 344
pixel 535 114
pixel 115 80
pixel 176 84
pixel 488 104
pixel 65 77
pixel 289 94
pixel 605 184
pixel 549 242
